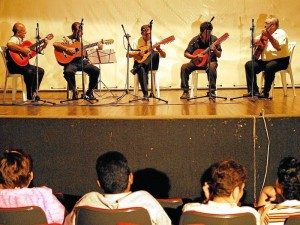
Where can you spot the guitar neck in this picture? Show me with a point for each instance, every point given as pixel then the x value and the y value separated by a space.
pixel 218 41
pixel 90 45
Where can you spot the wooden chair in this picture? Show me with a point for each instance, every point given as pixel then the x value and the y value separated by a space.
pixel 96 216
pixel 293 220
pixel 193 217
pixel 31 215
pixel 14 79
pixel 283 73
pixel 155 82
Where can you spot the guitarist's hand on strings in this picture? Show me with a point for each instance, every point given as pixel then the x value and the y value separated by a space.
pixel 26 51
pixel 70 50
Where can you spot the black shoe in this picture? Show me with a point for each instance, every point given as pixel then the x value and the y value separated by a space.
pixel 145 97
pixel 185 95
pixel 75 95
pixel 264 95
pixel 249 94
pixel 90 95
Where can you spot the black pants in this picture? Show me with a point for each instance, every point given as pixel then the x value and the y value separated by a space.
pixel 143 68
pixel 74 66
pixel 30 76
pixel 188 68
pixel 269 68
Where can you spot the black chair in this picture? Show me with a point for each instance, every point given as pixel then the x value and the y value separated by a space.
pixel 293 220
pixel 31 215
pixel 193 217
pixel 87 215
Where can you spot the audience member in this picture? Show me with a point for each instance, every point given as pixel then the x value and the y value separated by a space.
pixel 115 178
pixel 227 188
pixel 283 199
pixel 15 177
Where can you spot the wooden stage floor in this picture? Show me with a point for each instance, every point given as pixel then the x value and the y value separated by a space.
pixel 109 107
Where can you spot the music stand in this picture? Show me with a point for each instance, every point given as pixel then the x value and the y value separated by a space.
pixel 97 56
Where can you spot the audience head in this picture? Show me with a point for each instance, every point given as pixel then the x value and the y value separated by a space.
pixel 227 178
pixel 113 173
pixel 288 174
pixel 15 169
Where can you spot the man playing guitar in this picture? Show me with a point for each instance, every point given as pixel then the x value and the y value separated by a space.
pixel 201 41
pixel 75 65
pixel 271 55
pixel 14 46
pixel 143 67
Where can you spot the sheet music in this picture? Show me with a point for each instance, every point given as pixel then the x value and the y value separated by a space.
pixel 104 56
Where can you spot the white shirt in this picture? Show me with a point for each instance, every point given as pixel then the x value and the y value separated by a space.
pixel 16 40
pixel 124 200
pixel 271 53
pixel 220 208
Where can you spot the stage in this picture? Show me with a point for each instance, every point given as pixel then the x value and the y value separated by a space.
pixel 169 145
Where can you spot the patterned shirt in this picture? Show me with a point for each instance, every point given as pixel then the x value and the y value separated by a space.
pixel 38 196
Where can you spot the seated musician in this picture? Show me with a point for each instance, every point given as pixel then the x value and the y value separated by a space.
pixel 69 46
pixel 201 41
pixel 272 47
pixel 143 67
pixel 16 51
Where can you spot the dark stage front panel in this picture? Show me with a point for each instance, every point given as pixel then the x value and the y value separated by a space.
pixel 170 157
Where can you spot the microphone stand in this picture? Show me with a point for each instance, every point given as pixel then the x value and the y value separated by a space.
pixel 126 92
pixel 151 95
pixel 209 94
pixel 252 28
pixel 37 98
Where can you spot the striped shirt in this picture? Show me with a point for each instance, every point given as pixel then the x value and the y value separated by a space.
pixel 276 214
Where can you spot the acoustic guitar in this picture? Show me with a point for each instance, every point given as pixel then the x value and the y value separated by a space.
pixel 260 46
pixel 22 59
pixel 201 62
pixel 63 57
pixel 146 49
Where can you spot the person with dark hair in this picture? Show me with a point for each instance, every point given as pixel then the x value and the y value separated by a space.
pixel 15 177
pixel 271 55
pixel 22 53
pixel 282 200
pixel 142 68
pixel 67 46
pixel 201 41
pixel 115 179
pixel 227 188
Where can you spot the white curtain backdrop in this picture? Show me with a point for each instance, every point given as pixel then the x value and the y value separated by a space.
pixel 103 20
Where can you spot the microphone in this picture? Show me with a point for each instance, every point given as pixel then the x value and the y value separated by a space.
pixel 126 35
pixel 212 19
pixel 37 32
pixel 81 22
pixel 150 24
